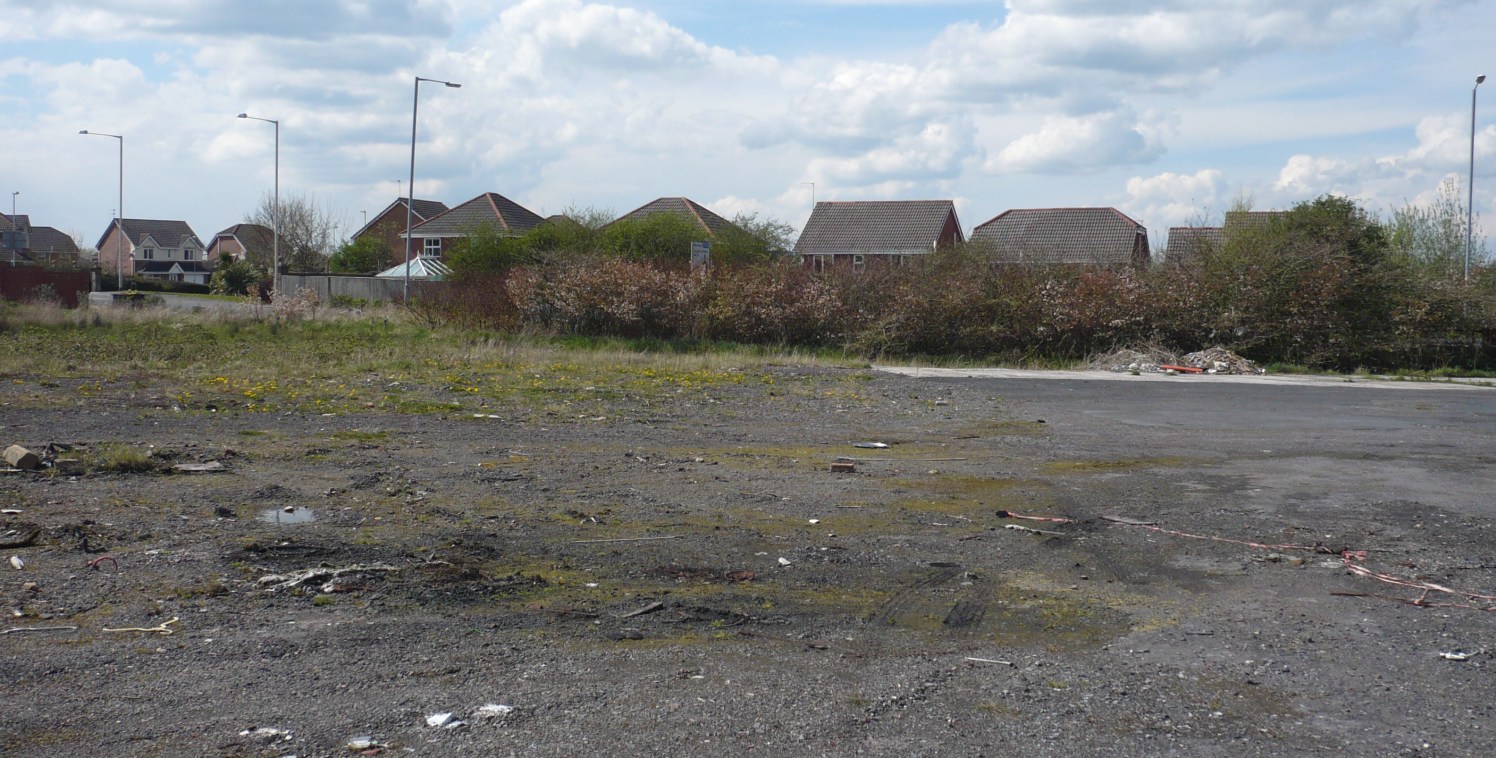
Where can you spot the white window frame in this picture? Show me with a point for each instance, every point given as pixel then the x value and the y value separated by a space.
pixel 431 242
pixel 859 263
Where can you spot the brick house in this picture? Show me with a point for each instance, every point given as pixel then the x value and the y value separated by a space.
pixel 855 234
pixel 389 224
pixel 1073 236
pixel 433 238
pixel 699 215
pixel 1189 242
pixel 166 250
pixel 253 241
pixel 21 243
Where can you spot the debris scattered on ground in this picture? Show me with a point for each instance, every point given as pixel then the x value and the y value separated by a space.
pixel 94 564
pixel 651 608
pixel 492 711
pixel 288 581
pixel 844 467
pixel 211 467
pixel 266 733
pixel 1031 530
pixel 164 628
pixel 359 744
pixel 19 537
pixel 21 458
pixel 17 563
pixel 783 561
pixel 990 660
pixel 1459 655
pixel 1216 360
pixel 20 629
pixel 872 445
pixel 444 721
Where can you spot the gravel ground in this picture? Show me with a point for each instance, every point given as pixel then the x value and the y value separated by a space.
pixel 676 580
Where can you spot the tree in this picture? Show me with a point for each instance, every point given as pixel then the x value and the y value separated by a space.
pixel 487 250
pixel 1433 237
pixel 234 277
pixel 365 255
pixel 751 240
pixel 658 237
pixel 307 231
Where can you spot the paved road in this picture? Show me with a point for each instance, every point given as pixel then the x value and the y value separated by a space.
pixel 1274 440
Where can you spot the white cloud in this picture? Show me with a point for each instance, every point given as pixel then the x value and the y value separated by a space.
pixel 1083 144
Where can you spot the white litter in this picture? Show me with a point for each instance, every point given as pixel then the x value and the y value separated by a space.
pixel 443 721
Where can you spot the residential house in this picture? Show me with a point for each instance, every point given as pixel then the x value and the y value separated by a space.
pixel 155 249
pixel 1075 236
pixel 1187 242
pixel 701 216
pixel 388 225
pixel 433 238
pixel 253 241
pixel 857 233
pixel 21 243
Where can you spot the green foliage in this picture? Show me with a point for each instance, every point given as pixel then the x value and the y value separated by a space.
pixel 236 277
pixel 1433 238
pixel 365 255
pixel 487 250
pixel 751 240
pixel 661 237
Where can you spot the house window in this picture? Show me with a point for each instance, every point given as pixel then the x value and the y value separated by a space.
pixel 148 253
pixel 433 247
pixel 858 263
pixel 818 263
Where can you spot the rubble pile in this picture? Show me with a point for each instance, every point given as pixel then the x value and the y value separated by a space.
pixel 1219 360
pixel 1216 360
pixel 1127 360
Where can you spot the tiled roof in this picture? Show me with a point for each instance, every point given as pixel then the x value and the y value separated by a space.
pixel 165 233
pixel 490 208
pixel 1251 218
pixel 421 210
pixel 7 222
pixel 877 227
pixel 698 213
pixel 1186 242
pixel 1093 236
pixel 46 239
pixel 256 237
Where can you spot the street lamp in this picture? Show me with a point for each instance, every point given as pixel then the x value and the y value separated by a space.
pixel 1470 203
pixel 275 236
pixel 119 249
pixel 411 198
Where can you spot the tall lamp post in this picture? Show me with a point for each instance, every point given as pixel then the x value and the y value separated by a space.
pixel 411 198
pixel 1470 202
pixel 275 235
pixel 119 250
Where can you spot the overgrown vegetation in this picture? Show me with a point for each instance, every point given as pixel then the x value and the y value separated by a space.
pixel 1323 285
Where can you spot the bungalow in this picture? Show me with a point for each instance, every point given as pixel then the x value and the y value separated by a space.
pixel 21 243
pixel 854 233
pixel 1188 242
pixel 437 235
pixel 1076 236
pixel 701 216
pixel 167 250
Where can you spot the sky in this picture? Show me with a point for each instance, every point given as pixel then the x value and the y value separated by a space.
pixel 1168 110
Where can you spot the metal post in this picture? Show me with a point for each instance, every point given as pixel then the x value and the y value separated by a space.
pixel 1470 202
pixel 119 248
pixel 411 197
pixel 275 212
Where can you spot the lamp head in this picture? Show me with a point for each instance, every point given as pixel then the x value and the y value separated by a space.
pixel 244 115
pixel 1480 79
pixel 453 85
pixel 83 131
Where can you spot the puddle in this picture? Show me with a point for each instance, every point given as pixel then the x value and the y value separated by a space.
pixel 290 515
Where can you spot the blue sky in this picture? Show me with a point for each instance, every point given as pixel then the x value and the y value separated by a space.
pixel 1168 110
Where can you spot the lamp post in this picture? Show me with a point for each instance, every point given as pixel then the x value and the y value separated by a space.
pixel 411 198
pixel 119 249
pixel 15 227
pixel 275 235
pixel 1470 202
